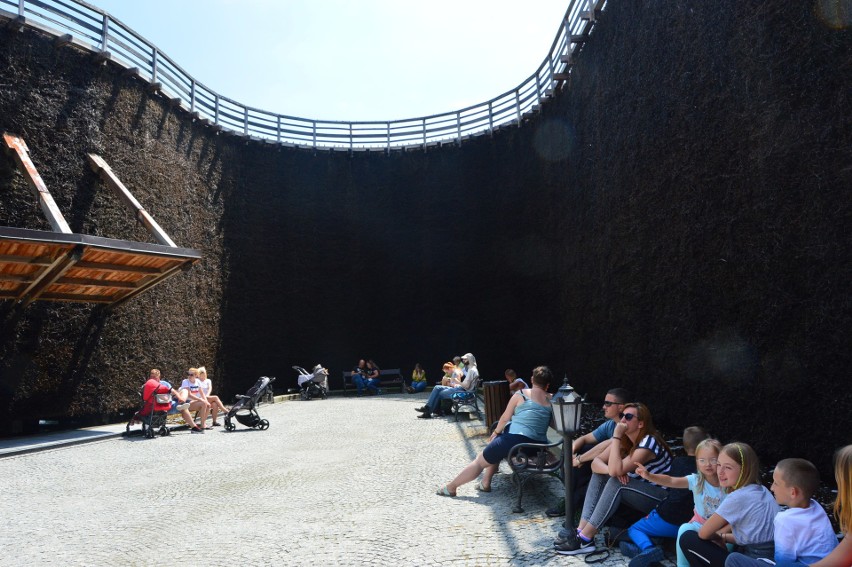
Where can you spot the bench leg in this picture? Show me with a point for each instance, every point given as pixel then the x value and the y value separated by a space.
pixel 518 509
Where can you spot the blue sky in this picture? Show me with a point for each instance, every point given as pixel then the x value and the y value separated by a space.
pixel 350 59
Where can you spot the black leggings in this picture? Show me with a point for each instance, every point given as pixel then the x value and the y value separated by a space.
pixel 701 552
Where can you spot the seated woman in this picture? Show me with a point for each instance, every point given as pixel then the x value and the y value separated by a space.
pixel 373 379
pixel 525 420
pixel 418 380
pixel 468 384
pixel 216 404
pixel 635 441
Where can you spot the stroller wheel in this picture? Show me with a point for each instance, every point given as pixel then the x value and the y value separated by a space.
pixel 149 433
pixel 263 425
pixel 164 431
pixel 230 426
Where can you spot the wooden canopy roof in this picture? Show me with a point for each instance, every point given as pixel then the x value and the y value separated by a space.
pixel 54 266
pixel 60 265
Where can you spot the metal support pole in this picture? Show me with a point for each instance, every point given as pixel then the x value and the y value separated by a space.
pixel 154 65
pixel 567 476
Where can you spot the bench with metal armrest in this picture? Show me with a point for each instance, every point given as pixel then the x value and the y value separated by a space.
pixel 531 459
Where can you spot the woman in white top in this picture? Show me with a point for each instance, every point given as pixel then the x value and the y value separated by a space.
pixel 216 404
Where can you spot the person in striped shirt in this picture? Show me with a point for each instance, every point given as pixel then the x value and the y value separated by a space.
pixel 635 441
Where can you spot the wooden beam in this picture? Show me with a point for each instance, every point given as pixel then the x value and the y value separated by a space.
pixel 47 277
pixel 182 267
pixel 101 167
pixel 15 278
pixel 97 283
pixel 119 268
pixel 39 261
pixel 79 297
pixel 48 205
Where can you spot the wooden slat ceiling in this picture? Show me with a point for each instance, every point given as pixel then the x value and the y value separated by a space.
pixel 52 266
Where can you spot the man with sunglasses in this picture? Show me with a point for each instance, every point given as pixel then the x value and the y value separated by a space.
pixel 589 446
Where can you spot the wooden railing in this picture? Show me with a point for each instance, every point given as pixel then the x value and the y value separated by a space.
pixel 74 22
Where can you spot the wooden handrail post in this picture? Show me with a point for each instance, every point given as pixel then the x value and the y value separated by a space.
pixel 106 174
pixel 48 205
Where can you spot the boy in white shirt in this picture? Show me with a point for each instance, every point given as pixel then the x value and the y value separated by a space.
pixel 803 533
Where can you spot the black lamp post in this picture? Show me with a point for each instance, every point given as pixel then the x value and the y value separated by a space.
pixel 567 407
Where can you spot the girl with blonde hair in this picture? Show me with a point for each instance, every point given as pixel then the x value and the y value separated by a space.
pixel 745 518
pixel 216 404
pixel 842 554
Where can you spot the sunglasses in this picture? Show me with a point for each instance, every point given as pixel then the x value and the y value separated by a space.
pixel 626 416
pixel 608 404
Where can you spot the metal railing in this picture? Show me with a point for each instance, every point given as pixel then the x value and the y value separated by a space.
pixel 81 24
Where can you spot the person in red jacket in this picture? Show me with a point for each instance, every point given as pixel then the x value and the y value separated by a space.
pixel 155 386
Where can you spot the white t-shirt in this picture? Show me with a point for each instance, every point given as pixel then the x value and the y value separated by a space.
pixel 751 512
pixel 206 384
pixel 194 389
pixel 708 500
pixel 803 534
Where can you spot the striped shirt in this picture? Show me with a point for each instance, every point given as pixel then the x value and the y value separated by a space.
pixel 662 461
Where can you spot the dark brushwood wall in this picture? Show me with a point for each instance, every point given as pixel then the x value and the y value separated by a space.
pixel 675 221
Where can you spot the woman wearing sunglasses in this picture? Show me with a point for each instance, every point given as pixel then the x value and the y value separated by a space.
pixel 635 441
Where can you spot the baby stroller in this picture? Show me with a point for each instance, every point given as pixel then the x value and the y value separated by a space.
pixel 244 410
pixel 313 384
pixel 152 414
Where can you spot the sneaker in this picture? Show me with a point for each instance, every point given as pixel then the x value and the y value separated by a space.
pixel 197 430
pixel 575 547
pixel 647 557
pixel 426 415
pixel 422 409
pixel 181 407
pixel 562 536
pixel 557 510
pixel 629 549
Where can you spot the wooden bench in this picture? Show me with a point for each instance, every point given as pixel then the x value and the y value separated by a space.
pixel 531 459
pixel 390 377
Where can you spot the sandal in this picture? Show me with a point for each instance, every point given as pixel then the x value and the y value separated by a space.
pixel 482 488
pixel 444 491
pixel 215 424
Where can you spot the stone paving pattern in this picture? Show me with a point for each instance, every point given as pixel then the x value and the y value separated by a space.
pixel 343 481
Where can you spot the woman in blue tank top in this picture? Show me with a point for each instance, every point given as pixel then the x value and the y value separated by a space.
pixel 530 416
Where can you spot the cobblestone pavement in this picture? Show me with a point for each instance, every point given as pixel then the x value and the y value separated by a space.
pixel 343 481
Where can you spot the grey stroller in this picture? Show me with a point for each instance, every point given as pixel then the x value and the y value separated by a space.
pixel 313 384
pixel 244 410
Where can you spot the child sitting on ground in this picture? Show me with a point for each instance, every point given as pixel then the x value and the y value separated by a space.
pixel 677 508
pixel 803 533
pixel 515 383
pixel 745 519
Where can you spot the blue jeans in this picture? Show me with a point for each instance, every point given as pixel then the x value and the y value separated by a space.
pixel 440 393
pixel 372 384
pixel 418 386
pixel 650 526
pixel 359 382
